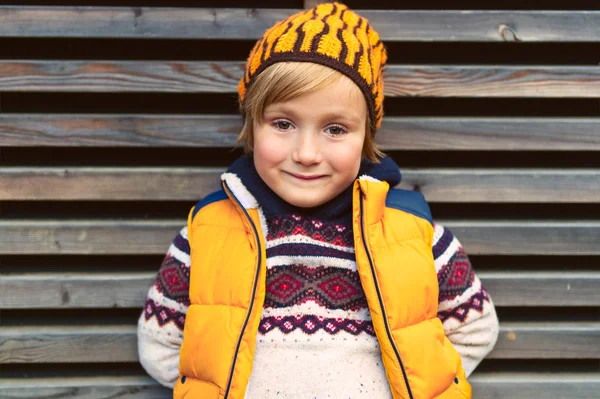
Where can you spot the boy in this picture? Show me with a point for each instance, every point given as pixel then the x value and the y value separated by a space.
pixel 311 276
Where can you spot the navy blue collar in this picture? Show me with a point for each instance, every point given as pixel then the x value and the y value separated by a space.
pixel 336 209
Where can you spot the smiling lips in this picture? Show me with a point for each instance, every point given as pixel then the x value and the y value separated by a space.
pixel 306 177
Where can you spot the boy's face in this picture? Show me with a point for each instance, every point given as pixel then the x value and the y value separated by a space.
pixel 308 149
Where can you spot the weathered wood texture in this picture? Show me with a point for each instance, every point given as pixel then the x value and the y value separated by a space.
pixel 224 76
pixel 83 388
pixel 85 344
pixel 485 385
pixel 517 288
pixel 535 385
pixel 396 133
pixel 128 290
pixel 235 23
pixel 489 237
pixel 438 185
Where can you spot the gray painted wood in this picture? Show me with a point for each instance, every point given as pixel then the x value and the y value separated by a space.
pixel 72 344
pixel 485 386
pixel 527 237
pixel 396 133
pixel 87 344
pixel 233 23
pixel 438 185
pixel 88 236
pixel 224 76
pixel 55 290
pixel 551 340
pixel 480 237
pixel 121 130
pixel 83 388
pixel 500 134
pixel 535 385
pixel 75 290
pixel 108 184
pixel 521 289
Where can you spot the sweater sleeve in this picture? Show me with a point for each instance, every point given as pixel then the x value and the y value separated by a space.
pixel 160 326
pixel 465 308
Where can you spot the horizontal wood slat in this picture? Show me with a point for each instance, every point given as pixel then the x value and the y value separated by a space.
pixel 396 133
pixel 128 290
pixel 485 386
pixel 535 385
pixel 235 23
pixel 224 76
pixel 84 388
pixel 87 344
pixel 42 237
pixel 513 288
pixel 75 290
pixel 438 185
pixel 489 237
pixel 69 344
pixel 527 237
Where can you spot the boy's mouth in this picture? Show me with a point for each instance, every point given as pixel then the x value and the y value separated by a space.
pixel 305 177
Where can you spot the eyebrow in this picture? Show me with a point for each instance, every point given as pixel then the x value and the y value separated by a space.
pixel 329 115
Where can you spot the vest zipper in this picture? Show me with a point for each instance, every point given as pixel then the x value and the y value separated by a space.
pixel 387 327
pixel 237 348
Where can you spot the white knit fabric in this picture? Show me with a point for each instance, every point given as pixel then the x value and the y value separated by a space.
pixel 300 366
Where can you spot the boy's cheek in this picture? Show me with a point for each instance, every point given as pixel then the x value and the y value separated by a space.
pixel 270 149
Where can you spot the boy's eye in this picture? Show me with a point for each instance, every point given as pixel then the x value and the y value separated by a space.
pixel 336 130
pixel 283 125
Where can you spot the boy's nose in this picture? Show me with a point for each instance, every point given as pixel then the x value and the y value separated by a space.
pixel 307 151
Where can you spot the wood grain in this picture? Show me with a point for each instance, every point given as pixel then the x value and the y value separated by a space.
pixel 223 77
pixel 87 344
pixel 69 344
pixel 83 388
pixel 479 237
pixel 535 385
pixel 119 130
pixel 530 289
pixel 43 237
pixel 527 237
pixel 56 290
pixel 552 340
pixel 485 386
pixel 235 23
pixel 396 133
pixel 438 185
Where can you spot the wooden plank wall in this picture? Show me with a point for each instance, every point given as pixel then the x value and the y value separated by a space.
pixel 115 117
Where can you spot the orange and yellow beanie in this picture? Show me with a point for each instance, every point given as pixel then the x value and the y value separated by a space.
pixel 329 34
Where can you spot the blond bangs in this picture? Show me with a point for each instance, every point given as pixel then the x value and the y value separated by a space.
pixel 284 81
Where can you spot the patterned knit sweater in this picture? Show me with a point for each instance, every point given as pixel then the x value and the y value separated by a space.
pixel 315 338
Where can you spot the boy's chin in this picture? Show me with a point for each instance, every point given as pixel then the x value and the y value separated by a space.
pixel 306 201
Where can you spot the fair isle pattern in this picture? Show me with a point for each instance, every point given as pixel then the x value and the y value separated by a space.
pixel 331 287
pixel 289 285
pixel 310 324
pixel 455 276
pixel 475 303
pixel 461 292
pixel 315 318
pixel 294 225
pixel 168 298
pixel 323 287
pixel 163 314
pixel 329 34
pixel 464 306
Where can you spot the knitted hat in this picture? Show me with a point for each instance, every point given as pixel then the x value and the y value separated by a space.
pixel 329 34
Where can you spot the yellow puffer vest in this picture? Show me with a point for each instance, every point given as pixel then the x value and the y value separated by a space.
pixel 393 236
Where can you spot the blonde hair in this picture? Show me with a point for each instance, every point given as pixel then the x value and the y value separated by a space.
pixel 284 81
